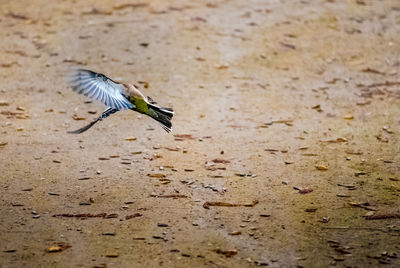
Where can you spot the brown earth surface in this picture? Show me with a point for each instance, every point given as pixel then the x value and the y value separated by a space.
pixel 285 149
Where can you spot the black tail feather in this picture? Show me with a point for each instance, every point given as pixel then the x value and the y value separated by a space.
pixel 164 120
pixel 169 112
pixel 162 115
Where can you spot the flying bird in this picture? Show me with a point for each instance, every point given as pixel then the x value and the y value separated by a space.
pixel 116 96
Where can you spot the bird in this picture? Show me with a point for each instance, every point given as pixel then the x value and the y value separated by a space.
pixel 116 96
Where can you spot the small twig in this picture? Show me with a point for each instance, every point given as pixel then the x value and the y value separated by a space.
pixel 387 84
pixel 354 228
pixel 384 216
pixel 113 22
pixel 208 204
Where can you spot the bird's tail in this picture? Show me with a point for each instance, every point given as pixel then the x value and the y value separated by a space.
pixel 162 115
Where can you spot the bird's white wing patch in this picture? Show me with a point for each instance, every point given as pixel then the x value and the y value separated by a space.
pixel 100 87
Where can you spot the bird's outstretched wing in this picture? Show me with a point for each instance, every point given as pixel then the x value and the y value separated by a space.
pixel 99 87
pixel 105 114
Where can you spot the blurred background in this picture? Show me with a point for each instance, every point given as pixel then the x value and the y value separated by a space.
pixel 285 145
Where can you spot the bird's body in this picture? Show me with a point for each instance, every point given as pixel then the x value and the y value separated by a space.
pixel 116 96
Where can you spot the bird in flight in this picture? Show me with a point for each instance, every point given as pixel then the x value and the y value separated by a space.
pixel 116 96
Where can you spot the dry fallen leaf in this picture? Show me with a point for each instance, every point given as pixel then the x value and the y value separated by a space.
pixel 305 191
pixel 221 161
pixel 181 137
pixel 199 19
pixel 133 216
pixel 76 117
pixel 288 122
pixel 95 11
pixel 353 152
pixel 165 180
pixel 17 16
pixel 321 167
pixel 130 139
pixel 146 85
pixel 112 255
pixel 309 154
pixel 227 253
pixel 370 70
pixel 75 61
pixel 156 175
pixel 208 204
pixel 20 116
pixel 4 103
pixel 177 149
pixel 54 249
pixel 222 66
pixel 211 5
pixel 132 5
pixel 58 248
pixel 8 65
pixel 287 45
pixel 154 157
pixel 338 140
pixel 382 139
pixel 317 107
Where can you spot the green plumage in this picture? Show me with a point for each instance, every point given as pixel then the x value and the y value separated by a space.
pixel 162 115
pixel 140 105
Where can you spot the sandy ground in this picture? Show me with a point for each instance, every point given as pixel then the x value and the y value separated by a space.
pixel 287 111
